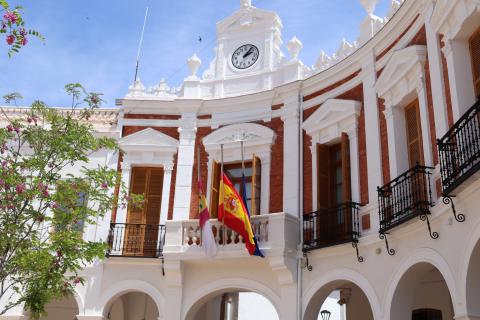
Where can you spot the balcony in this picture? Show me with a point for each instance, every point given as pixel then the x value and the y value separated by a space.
pixel 329 227
pixel 404 198
pixel 459 151
pixel 136 240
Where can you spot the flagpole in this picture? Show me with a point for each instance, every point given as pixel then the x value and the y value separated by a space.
pixel 199 187
pixel 140 45
pixel 221 193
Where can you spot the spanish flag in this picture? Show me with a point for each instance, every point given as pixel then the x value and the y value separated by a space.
pixel 233 213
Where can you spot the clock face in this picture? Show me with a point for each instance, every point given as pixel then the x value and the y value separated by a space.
pixel 245 56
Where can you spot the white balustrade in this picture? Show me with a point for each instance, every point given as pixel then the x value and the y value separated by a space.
pixel 192 233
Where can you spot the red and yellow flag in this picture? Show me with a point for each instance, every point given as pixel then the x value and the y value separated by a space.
pixel 232 212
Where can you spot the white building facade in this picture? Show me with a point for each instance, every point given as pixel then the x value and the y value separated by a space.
pixel 362 175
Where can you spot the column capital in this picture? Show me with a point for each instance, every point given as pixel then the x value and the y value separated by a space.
pixel 168 167
pixel 447 48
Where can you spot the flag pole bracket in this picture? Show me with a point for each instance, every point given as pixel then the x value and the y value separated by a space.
pixel 307 264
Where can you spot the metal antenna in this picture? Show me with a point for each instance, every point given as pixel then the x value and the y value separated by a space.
pixel 140 45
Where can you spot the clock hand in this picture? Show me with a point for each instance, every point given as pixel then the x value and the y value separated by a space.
pixel 249 52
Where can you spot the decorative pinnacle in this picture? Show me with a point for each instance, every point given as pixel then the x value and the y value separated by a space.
pixel 193 64
pixel 245 3
pixel 369 5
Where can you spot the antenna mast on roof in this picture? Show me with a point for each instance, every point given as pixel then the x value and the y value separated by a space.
pixel 140 45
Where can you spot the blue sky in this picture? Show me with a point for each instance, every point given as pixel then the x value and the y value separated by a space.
pixel 94 42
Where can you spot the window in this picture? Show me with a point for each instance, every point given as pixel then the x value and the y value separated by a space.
pixel 234 173
pixel 141 231
pixel 414 134
pixel 334 187
pixel 475 56
pixel 427 314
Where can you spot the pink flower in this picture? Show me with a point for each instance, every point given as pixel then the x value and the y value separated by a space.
pixel 20 188
pixel 24 41
pixel 10 16
pixel 10 39
pixel 55 205
pixel 10 128
pixel 104 185
pixel 23 32
pixel 17 129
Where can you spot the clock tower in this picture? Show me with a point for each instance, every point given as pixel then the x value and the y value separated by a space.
pixel 248 51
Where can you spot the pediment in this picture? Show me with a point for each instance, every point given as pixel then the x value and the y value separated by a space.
pixel 250 133
pixel 401 63
pixel 332 113
pixel 149 140
pixel 247 17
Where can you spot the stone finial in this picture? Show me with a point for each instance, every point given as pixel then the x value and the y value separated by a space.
pixel 346 48
pixel 161 89
pixel 245 3
pixel 394 6
pixel 323 61
pixel 369 5
pixel 193 64
pixel 136 89
pixel 294 46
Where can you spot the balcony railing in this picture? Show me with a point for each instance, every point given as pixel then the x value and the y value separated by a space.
pixel 459 150
pixel 404 198
pixel 329 227
pixel 136 240
pixel 192 233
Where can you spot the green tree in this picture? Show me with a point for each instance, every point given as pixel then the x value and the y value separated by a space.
pixel 42 209
pixel 12 26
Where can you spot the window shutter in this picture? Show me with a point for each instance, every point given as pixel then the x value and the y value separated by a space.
pixel 475 55
pixel 323 177
pixel 346 179
pixel 414 134
pixel 256 185
pixel 154 196
pixel 215 185
pixel 137 186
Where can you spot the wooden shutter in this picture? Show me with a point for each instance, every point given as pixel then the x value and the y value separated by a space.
pixel 214 186
pixel 154 196
pixel 346 174
pixel 475 56
pixel 414 134
pixel 323 177
pixel 138 185
pixel 256 185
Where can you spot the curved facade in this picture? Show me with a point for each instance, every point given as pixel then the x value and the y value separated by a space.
pixel 362 175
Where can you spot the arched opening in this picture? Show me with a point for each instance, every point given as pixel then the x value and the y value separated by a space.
pixel 131 306
pixel 422 294
pixel 233 304
pixel 344 300
pixel 65 309
pixel 473 282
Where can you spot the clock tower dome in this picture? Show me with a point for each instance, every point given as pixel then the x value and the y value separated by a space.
pixel 248 51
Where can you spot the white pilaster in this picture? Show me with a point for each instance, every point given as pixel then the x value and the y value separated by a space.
pixel 436 76
pixel 425 122
pixel 185 160
pixel 354 164
pixel 460 76
pixel 167 183
pixel 372 128
pixel 126 175
pixel 291 153
pixel 397 148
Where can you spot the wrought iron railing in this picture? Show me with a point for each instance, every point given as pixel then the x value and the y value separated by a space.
pixel 459 150
pixel 329 227
pixel 136 240
pixel 404 198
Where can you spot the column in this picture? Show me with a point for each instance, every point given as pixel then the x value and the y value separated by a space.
pixel 291 155
pixel 397 147
pixel 354 164
pixel 460 76
pixel 372 128
pixel 436 76
pixel 425 121
pixel 265 184
pixel 167 181
pixel 185 160
pixel 79 317
pixel 126 174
